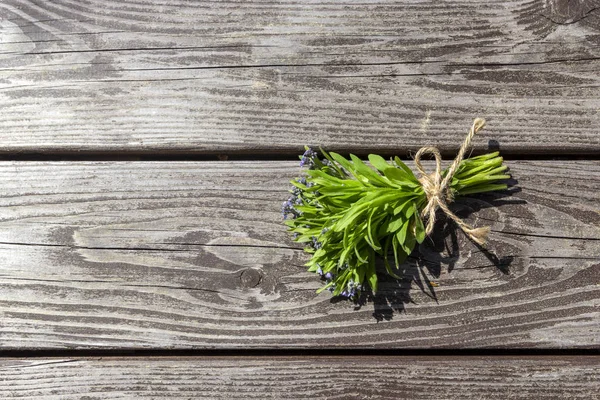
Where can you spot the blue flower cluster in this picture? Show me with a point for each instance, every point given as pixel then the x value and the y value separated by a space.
pixel 311 161
pixel 287 209
pixel 315 243
pixel 308 158
pixel 295 200
pixel 352 291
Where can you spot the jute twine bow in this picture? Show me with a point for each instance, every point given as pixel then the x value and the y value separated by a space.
pixel 437 188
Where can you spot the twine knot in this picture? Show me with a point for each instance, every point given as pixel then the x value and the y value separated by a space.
pixel 437 187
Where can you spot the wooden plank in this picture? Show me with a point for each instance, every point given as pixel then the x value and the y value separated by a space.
pixel 195 255
pixel 151 76
pixel 310 377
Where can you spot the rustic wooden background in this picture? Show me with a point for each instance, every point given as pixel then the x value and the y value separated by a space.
pixel 147 146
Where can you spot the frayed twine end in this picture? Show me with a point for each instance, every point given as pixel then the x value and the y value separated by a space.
pixel 478 235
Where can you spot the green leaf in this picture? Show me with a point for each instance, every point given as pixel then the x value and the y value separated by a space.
pixel 409 242
pixel 360 257
pixel 319 290
pixel 401 209
pixel 373 177
pixel 395 224
pixel 397 176
pixel 399 254
pixel 359 273
pixel 419 228
pixel 401 234
pixel 347 165
pixel 410 210
pixel 379 162
pixel 371 274
pixel 333 164
pixel 386 253
pixel 371 231
pixel 407 170
pixel 483 188
pixel 355 212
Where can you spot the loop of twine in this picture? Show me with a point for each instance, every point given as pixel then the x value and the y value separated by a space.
pixel 437 188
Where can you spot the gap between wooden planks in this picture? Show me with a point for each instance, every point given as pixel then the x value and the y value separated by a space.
pixel 252 77
pixel 142 255
pixel 381 377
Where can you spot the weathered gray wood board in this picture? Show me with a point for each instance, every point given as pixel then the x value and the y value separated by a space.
pixel 195 255
pixel 268 77
pixel 311 377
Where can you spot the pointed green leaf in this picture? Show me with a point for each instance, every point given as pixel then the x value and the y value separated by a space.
pixel 333 164
pixel 419 228
pixel 360 257
pixel 410 210
pixel 386 253
pixel 397 175
pixel 409 242
pixel 399 254
pixel 371 274
pixel 395 224
pixel 371 231
pixel 407 170
pixel 401 208
pixel 367 173
pixel 401 234
pixel 347 165
pixel 379 162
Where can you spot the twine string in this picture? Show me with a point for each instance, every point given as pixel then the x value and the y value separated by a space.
pixel 437 187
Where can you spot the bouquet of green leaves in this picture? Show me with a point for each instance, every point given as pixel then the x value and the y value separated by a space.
pixel 349 213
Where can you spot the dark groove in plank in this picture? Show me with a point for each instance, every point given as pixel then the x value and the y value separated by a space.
pixel 258 155
pixel 296 353
pixel 546 236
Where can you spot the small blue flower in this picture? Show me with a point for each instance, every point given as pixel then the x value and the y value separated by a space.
pixel 320 271
pixel 308 158
pixel 329 275
pixel 288 208
pixel 316 244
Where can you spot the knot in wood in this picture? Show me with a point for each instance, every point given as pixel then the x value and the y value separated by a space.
pixel 250 278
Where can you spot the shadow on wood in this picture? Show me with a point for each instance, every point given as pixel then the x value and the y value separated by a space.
pixel 439 252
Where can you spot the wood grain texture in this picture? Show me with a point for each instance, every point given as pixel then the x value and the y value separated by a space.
pixel 117 255
pixel 416 378
pixel 150 76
